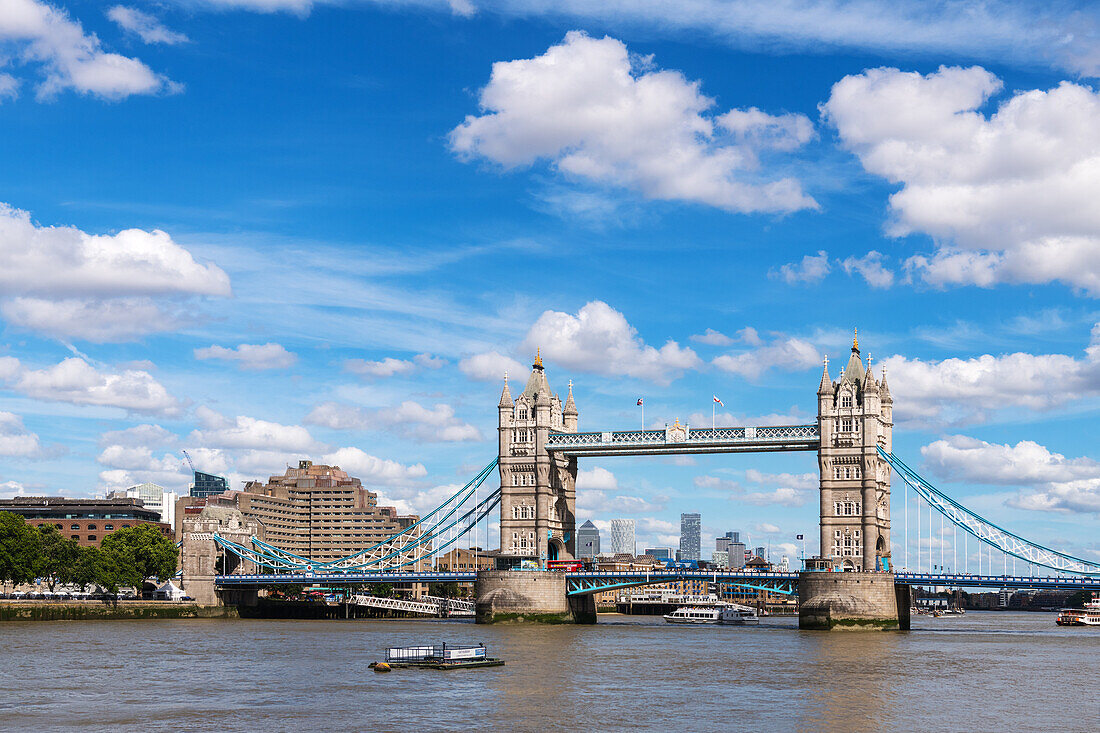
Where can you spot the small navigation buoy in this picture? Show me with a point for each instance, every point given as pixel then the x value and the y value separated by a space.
pixel 381 667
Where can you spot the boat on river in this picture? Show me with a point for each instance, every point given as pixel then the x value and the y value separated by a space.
pixel 1087 616
pixel 728 613
pixel 437 656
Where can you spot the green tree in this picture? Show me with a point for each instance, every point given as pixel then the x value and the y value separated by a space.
pixel 94 566
pixel 381 590
pixel 141 552
pixel 57 556
pixel 19 549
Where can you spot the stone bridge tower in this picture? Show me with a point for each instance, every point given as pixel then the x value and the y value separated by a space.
pixel 538 488
pixel 855 416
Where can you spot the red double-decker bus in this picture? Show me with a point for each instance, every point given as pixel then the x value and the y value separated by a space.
pixel 568 566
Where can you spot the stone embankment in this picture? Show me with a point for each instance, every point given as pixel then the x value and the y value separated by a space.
pixel 103 610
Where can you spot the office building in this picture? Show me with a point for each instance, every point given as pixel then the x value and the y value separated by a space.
pixel 690 526
pixel 720 559
pixel 736 552
pixel 153 497
pixel 87 521
pixel 661 553
pixel 622 537
pixel 761 552
pixel 317 512
pixel 207 484
pixel 588 540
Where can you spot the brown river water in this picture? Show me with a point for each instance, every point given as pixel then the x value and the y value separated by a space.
pixel 981 672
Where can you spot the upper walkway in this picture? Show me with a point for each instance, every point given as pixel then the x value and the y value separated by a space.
pixel 679 438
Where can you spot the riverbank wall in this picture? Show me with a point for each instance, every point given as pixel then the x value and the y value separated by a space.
pixel 108 611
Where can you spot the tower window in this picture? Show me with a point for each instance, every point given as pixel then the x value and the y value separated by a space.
pixel 846 400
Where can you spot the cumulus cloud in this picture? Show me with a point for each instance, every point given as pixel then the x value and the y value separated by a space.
pixel 795 494
pixel 490 366
pixel 251 356
pixel 1008 198
pixel 871 268
pixel 811 269
pixel 144 25
pixel 15 440
pixel 409 419
pixel 375 471
pixel 961 391
pixel 218 431
pixel 1054 482
pixel 387 367
pixel 68 58
pixel 711 337
pixel 794 480
pixel 784 352
pixel 599 340
pixel 76 381
pixel 596 479
pixel 67 283
pixel 597 113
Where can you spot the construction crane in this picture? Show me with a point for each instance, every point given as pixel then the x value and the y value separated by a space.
pixel 189 461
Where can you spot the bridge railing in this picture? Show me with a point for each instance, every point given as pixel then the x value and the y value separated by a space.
pixel 777 433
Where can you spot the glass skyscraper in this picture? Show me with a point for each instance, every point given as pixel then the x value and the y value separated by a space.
pixel 690 528
pixel 208 484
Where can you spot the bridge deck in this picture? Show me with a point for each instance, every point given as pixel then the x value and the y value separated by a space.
pixel 662 576
pixel 680 439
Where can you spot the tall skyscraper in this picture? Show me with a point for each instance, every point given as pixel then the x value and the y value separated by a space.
pixel 622 536
pixel 588 540
pixel 690 527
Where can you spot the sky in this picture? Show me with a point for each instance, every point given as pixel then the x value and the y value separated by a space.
pixel 268 230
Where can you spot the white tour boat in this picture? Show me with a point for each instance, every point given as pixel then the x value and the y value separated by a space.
pixel 1087 616
pixel 737 615
pixel 724 613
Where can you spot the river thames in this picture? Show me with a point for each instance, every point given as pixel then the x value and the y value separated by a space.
pixel 982 672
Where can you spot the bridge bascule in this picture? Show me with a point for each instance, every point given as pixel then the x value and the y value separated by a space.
pixel 538 452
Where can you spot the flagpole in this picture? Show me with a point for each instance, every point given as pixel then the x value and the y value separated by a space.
pixel 712 414
pixel 643 413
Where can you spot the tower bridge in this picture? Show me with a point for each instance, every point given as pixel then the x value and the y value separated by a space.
pixel 539 446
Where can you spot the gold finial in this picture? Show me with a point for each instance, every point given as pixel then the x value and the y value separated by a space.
pixel 855 339
pixel 538 357
pixel 677 422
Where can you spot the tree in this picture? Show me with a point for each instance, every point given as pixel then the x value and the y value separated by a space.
pixel 57 556
pixel 141 552
pixel 19 549
pixel 94 566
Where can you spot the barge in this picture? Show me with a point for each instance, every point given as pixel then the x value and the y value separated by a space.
pixel 440 656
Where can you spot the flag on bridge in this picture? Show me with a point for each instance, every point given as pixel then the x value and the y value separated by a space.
pixel 639 402
pixel 718 400
pixel 798 536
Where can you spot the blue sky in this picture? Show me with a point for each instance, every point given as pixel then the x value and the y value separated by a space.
pixel 262 230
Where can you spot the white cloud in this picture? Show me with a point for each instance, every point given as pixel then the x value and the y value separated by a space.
pixel 98 321
pixel 409 419
pixel 250 433
pixel 793 480
pixel 12 489
pixel 787 353
pixel 811 269
pixel 69 58
pixel 871 267
pixel 959 391
pixel 712 338
pixel 767 528
pixel 794 495
pixel 1056 483
pixel 15 440
pixel 596 479
pixel 371 470
pixel 144 25
pixel 1008 198
pixel 76 381
pixel 67 283
pixel 9 87
pixel 138 435
pixel 490 366
pixel 251 356
pixel 430 362
pixel 593 502
pixel 598 339
pixel 387 367
pixel 597 113
pixel 783 496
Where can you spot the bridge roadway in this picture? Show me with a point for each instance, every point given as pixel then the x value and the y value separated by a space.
pixel 679 439
pixel 590 582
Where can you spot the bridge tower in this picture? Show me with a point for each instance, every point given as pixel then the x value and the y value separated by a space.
pixel 538 488
pixel 855 415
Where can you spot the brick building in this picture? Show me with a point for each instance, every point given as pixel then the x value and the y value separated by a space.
pixel 87 521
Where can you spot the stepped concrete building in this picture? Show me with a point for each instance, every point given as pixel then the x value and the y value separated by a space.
pixel 538 489
pixel 855 414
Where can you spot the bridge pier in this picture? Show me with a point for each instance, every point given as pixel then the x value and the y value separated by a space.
pixel 851 601
pixel 538 596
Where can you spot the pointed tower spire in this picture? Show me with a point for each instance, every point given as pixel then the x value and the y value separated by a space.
pixel 570 405
pixel 826 385
pixel 884 389
pixel 854 371
pixel 506 395
pixel 869 383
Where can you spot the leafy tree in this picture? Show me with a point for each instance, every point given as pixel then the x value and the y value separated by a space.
pixel 381 590
pixel 1078 599
pixel 141 552
pixel 94 566
pixel 57 556
pixel 19 549
pixel 444 590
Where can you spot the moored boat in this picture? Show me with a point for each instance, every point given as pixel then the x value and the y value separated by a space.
pixel 738 615
pixel 1087 616
pixel 436 657
pixel 694 615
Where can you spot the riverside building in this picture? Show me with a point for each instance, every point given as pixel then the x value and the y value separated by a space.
pixel 87 521
pixel 317 512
